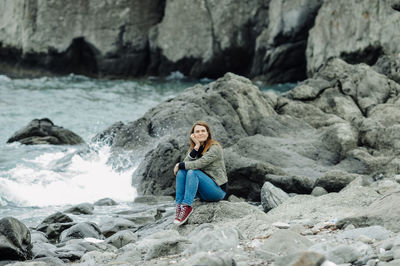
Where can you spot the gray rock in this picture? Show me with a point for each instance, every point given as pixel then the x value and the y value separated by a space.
pixel 37 236
pixel 285 242
pixel 54 230
pixel 122 238
pixel 210 239
pixel 338 254
pixel 364 39
pixel 388 65
pixel 386 256
pixel 373 232
pixel 334 181
pixel 110 226
pixel 281 45
pixel 15 240
pixel 83 208
pixel 42 249
pixel 382 211
pixel 272 196
pixel 205 258
pixel 80 231
pixel 57 217
pixel 318 191
pixel 105 202
pixel 305 258
pixel 43 131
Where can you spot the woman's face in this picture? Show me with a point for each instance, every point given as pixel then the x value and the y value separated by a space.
pixel 200 133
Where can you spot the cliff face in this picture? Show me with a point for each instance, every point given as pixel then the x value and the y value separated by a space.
pixel 268 40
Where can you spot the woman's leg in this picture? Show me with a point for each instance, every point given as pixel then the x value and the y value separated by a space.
pixel 199 183
pixel 180 186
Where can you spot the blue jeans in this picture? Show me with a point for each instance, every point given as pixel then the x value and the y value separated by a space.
pixel 192 183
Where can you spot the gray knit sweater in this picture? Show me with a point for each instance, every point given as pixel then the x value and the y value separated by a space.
pixel 211 163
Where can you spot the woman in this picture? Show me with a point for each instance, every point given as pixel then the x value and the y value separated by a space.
pixel 202 173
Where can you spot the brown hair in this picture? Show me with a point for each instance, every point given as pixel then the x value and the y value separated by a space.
pixel 209 141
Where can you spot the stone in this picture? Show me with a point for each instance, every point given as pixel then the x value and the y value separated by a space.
pixel 57 217
pixel 122 238
pixel 281 225
pixel 105 202
pixel 286 242
pixel 83 208
pixel 318 191
pixel 305 258
pixel 80 231
pixel 43 131
pixel 112 225
pixel 272 196
pixel 15 240
pixel 335 180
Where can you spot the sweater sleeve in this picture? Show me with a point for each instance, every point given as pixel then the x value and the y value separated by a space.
pixel 214 153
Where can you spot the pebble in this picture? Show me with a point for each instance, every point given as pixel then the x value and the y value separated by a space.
pixel 281 225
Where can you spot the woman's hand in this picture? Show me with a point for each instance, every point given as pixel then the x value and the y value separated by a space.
pixel 196 142
pixel 176 168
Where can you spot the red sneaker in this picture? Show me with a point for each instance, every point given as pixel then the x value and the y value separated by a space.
pixel 184 214
pixel 177 213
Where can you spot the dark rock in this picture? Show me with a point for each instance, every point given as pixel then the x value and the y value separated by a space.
pixel 54 230
pixel 15 240
pixel 80 231
pixel 43 131
pixel 105 202
pixel 83 208
pixel 122 238
pixel 334 181
pixel 111 226
pixel 57 217
pixel 106 137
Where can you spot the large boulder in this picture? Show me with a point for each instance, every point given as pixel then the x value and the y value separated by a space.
pixel 43 131
pixel 356 31
pixel 15 240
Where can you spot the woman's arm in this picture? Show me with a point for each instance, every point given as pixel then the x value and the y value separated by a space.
pixel 214 153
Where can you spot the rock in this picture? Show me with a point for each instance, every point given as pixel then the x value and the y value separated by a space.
pixel 386 256
pixel 279 51
pixel 305 258
pixel 382 211
pixel 15 240
pixel 122 238
pixel 41 249
pixel 272 196
pixel 76 47
pixel 281 225
pixel 112 225
pixel 338 254
pixel 57 217
pixel 43 131
pixel 285 242
pixel 355 44
pixel 207 238
pixel 293 183
pixel 97 258
pixel 83 208
pixel 340 138
pixel 106 137
pixel 205 258
pixel 213 40
pixel 37 236
pixel 161 244
pixel 388 65
pixel 372 232
pixel 334 181
pixel 54 230
pixel 105 202
pixel 318 191
pixel 80 231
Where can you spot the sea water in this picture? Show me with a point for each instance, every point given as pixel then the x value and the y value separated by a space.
pixel 38 180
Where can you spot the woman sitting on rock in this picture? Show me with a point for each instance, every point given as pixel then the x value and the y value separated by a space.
pixel 201 174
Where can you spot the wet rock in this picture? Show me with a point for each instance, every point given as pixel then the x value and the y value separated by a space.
pixel 83 208
pixel 43 131
pixel 41 249
pixel 15 240
pixel 57 217
pixel 105 202
pixel 112 225
pixel 272 196
pixel 80 231
pixel 54 230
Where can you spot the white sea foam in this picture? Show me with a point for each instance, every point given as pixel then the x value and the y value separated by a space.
pixel 84 179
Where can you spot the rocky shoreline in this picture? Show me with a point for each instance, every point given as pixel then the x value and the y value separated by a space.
pixel 321 161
